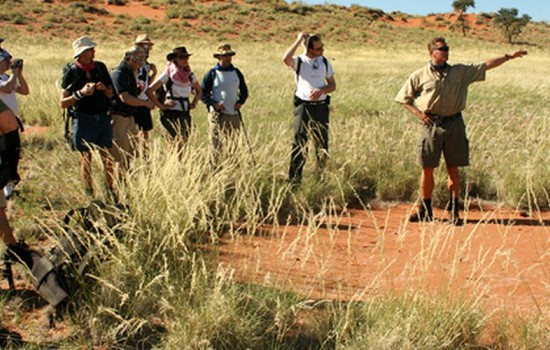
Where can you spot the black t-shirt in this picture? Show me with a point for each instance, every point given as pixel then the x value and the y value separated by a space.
pixel 75 78
pixel 124 80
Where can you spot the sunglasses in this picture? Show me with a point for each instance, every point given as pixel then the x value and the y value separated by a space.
pixel 442 48
pixel 319 48
pixel 183 57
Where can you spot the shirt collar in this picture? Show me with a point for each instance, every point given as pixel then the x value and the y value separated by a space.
pixel 225 69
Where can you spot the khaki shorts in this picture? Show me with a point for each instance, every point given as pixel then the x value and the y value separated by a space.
pixel 447 137
pixel 222 125
pixel 125 135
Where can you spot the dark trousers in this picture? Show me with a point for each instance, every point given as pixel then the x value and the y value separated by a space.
pixel 309 120
pixel 177 123
pixel 12 154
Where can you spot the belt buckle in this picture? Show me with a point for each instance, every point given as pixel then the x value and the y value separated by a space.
pixel 437 119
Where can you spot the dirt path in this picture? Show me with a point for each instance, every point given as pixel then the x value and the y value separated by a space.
pixel 498 256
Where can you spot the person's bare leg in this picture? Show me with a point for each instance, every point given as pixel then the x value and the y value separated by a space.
pixel 108 167
pixel 86 171
pixel 453 184
pixel 425 212
pixel 5 229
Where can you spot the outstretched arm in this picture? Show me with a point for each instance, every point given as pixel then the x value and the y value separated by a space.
pixel 497 61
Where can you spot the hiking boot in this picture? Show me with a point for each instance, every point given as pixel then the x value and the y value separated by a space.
pixel 454 212
pixel 456 220
pixel 424 213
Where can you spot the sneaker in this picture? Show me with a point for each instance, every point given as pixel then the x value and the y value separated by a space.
pixel 8 190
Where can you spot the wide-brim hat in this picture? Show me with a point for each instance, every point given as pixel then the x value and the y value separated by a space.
pixel 178 51
pixel 224 50
pixel 143 39
pixel 82 44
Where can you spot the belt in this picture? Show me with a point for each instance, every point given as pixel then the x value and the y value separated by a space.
pixel 122 113
pixel 312 103
pixel 442 118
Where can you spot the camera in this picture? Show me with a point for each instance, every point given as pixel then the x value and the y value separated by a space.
pixel 17 62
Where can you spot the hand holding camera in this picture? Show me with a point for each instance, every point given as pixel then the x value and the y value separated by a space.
pixel 17 63
pixel 88 89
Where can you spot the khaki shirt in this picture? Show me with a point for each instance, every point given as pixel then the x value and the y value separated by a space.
pixel 443 93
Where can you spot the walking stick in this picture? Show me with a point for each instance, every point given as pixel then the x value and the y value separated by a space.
pixel 247 139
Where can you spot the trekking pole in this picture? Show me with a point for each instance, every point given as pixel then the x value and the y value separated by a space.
pixel 247 139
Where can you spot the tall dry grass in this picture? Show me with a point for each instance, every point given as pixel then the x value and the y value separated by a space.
pixel 161 285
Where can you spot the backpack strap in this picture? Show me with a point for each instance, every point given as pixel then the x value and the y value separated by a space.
pixel 298 68
pixel 68 113
pixel 325 61
pixel 168 88
pixel 170 94
pixel 243 89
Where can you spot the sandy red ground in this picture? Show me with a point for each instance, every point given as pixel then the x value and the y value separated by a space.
pixel 136 9
pixel 499 256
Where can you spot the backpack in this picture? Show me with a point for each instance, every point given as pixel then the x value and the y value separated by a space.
pixel 67 113
pixel 59 274
pixel 83 242
pixel 164 90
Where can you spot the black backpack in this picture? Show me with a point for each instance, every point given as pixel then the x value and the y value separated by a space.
pixel 68 113
pixel 82 243
pixel 164 90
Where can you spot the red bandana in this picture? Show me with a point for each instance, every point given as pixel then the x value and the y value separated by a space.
pixel 85 67
pixel 179 75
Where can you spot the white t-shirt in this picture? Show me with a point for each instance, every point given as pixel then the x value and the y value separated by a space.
pixel 178 89
pixel 313 75
pixel 226 89
pixel 142 79
pixel 9 99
